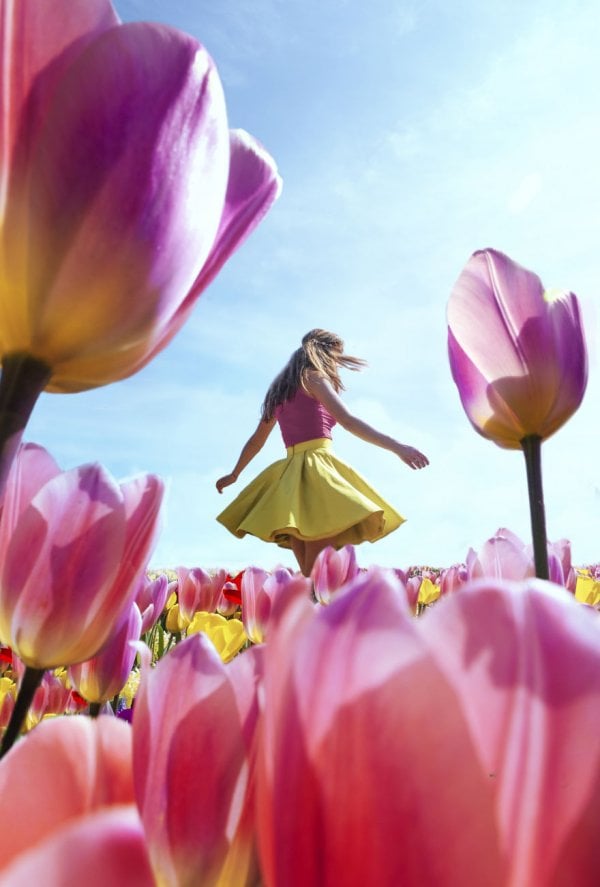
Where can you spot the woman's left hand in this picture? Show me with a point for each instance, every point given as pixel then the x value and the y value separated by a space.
pixel 226 481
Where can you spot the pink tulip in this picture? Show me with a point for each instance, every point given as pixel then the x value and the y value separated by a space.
pixel 99 849
pixel 121 188
pixel 332 569
pixel 104 675
pixel 52 697
pixel 456 749
pixel 198 590
pixel 452 578
pixel 260 590
pixel 71 551
pixel 508 557
pixel 193 726
pixel 503 556
pixel 59 773
pixel 151 598
pixel 517 353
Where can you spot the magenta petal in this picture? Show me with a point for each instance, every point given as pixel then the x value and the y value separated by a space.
pixel 34 35
pixel 253 186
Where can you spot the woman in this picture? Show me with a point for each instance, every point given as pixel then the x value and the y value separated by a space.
pixel 312 499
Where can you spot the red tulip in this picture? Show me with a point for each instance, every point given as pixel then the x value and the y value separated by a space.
pixel 72 547
pixel 121 188
pixel 517 353
pixel 455 749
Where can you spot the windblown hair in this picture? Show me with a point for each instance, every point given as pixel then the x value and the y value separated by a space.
pixel 320 351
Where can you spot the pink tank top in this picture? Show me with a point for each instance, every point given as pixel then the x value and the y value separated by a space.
pixel 303 418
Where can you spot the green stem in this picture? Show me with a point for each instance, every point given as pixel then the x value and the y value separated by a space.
pixel 31 681
pixel 532 449
pixel 22 381
pixel 94 709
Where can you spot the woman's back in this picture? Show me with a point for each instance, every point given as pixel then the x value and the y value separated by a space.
pixel 302 418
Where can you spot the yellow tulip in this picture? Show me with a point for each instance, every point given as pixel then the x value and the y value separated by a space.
pixel 227 635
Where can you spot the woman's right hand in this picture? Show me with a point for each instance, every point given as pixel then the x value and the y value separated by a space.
pixel 412 457
pixel 226 481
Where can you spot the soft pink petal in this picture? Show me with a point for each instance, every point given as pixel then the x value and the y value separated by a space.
pixel 189 758
pixel 525 666
pixel 70 766
pixel 350 691
pixel 504 556
pixel 518 358
pixel 31 468
pixel 60 567
pixel 104 848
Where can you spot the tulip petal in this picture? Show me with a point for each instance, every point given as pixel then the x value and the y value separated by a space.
pixel 31 39
pixel 517 354
pixel 136 131
pixel 99 849
pixel 189 762
pixel 350 693
pixel 64 769
pixel 525 666
pixel 253 186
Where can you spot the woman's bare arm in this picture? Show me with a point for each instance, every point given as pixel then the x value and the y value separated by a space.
pixel 253 445
pixel 321 389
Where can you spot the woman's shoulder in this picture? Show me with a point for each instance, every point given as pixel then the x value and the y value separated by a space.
pixel 313 379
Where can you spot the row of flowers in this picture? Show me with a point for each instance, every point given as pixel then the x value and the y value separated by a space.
pixel 228 751
pixel 234 611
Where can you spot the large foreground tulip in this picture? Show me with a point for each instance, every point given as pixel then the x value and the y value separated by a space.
pixel 119 185
pixel 455 749
pixel 193 729
pixel 517 352
pixel 122 194
pixel 61 772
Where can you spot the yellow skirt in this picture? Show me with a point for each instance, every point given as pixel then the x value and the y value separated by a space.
pixel 310 495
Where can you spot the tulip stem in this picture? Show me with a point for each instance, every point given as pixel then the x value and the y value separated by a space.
pixel 29 684
pixel 22 381
pixel 94 709
pixel 532 449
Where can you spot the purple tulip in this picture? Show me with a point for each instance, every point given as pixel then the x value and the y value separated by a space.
pixel 517 352
pixel 122 190
pixel 518 357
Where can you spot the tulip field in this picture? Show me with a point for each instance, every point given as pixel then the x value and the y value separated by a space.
pixel 352 727
pixel 184 737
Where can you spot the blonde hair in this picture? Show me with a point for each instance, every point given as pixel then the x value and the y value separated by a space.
pixel 321 351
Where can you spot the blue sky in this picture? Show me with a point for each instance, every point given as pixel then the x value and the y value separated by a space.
pixel 408 134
